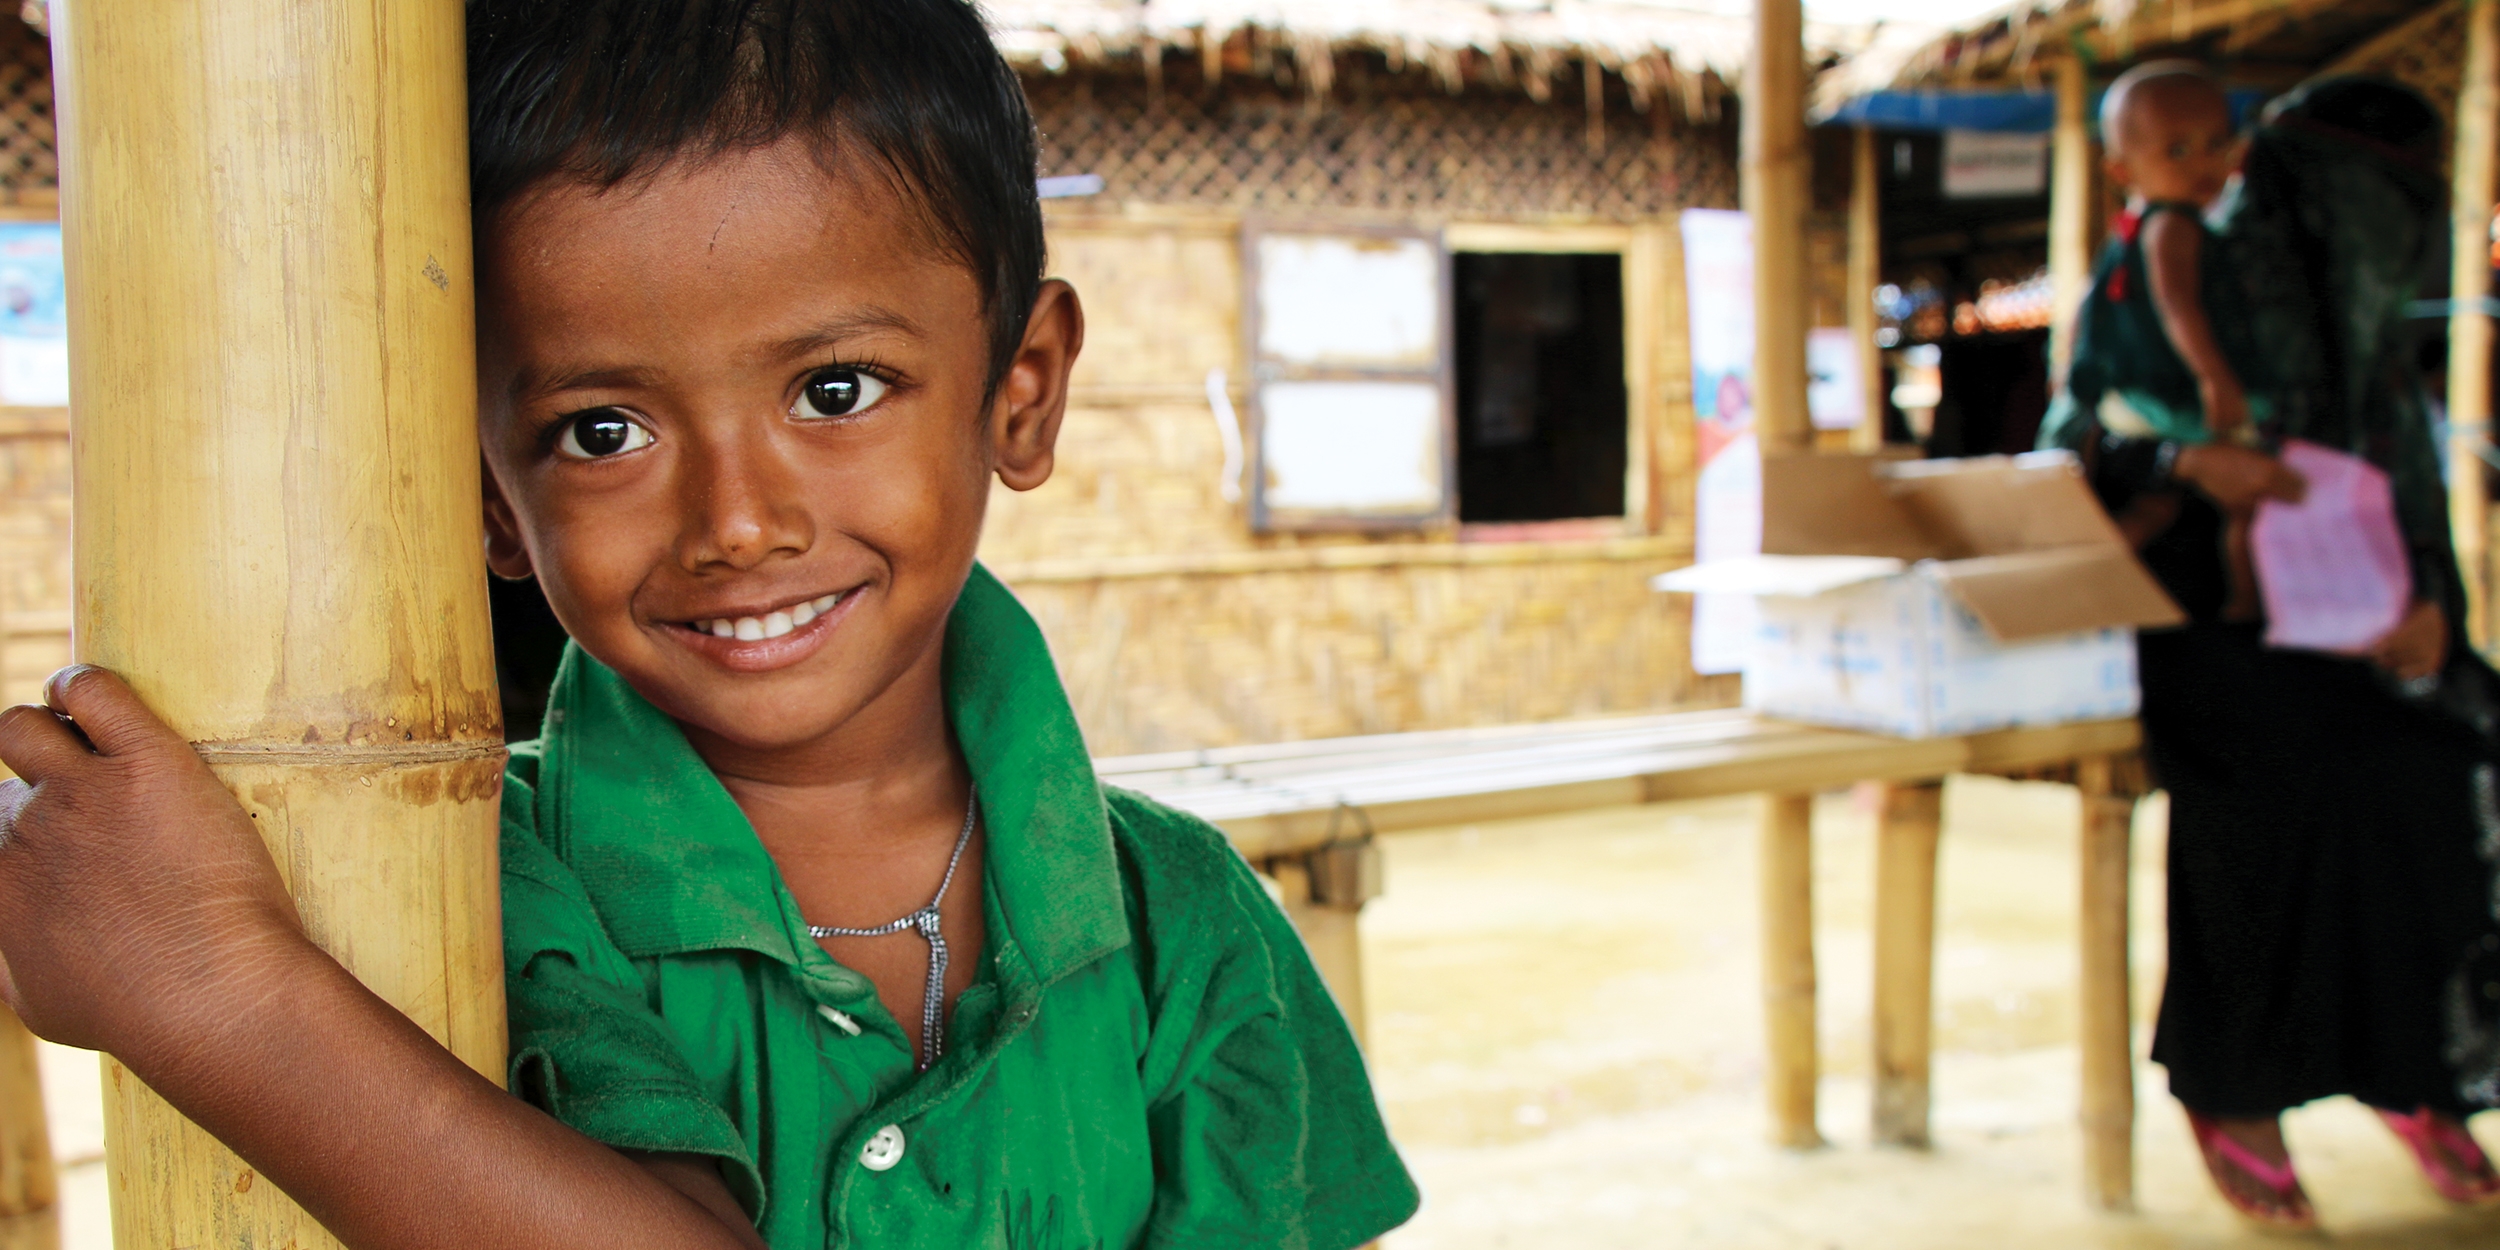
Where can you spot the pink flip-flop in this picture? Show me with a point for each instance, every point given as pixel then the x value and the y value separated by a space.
pixel 2451 1159
pixel 2290 1210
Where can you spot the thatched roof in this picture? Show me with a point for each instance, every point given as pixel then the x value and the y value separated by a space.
pixel 2259 41
pixel 1661 51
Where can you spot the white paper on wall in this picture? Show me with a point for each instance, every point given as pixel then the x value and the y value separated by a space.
pixel 1351 447
pixel 1350 301
pixel 1835 396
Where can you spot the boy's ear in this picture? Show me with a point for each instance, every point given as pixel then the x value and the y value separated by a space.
pixel 1033 397
pixel 506 556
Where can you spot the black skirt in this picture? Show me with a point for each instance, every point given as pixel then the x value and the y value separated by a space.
pixel 2326 884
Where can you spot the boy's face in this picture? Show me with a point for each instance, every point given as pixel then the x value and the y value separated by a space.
pixel 2175 142
pixel 733 423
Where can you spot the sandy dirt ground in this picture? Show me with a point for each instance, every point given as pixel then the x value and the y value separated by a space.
pixel 1566 1035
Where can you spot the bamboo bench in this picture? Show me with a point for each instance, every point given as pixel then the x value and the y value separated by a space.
pixel 1305 813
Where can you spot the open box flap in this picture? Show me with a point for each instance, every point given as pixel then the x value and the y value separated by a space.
pixel 1999 505
pixel 2040 594
pixel 1836 505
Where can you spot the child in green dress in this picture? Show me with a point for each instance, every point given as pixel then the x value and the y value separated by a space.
pixel 2159 315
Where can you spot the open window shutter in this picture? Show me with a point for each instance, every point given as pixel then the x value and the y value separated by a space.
pixel 1352 411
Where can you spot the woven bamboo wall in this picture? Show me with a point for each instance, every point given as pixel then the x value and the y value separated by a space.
pixel 1177 627
pixel 34 550
pixel 34 443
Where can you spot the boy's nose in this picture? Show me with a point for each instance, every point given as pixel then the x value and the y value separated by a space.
pixel 738 515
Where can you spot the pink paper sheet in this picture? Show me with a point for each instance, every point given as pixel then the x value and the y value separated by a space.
pixel 2332 567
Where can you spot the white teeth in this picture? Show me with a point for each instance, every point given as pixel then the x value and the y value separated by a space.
pixel 769 625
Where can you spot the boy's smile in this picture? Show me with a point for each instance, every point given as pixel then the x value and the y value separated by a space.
pixel 734 422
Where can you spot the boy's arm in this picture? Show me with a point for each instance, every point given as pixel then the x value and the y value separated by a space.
pixel 2171 247
pixel 141 914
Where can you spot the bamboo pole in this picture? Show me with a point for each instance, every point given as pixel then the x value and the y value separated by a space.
pixel 1774 192
pixel 266 225
pixel 1866 270
pixel 2477 176
pixel 1326 908
pixel 2106 1015
pixel 2070 212
pixel 1789 1027
pixel 1906 837
pixel 29 1193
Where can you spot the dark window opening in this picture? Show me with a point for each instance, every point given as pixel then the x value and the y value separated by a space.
pixel 1996 390
pixel 1542 427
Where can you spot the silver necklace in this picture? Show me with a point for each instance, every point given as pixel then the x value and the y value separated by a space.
pixel 933 1002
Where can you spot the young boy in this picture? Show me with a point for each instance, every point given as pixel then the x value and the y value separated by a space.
pixel 2159 308
pixel 819 930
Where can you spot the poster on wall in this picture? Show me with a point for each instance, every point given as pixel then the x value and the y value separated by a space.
pixel 1727 496
pixel 34 329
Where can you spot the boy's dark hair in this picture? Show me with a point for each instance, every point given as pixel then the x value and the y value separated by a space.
pixel 604 91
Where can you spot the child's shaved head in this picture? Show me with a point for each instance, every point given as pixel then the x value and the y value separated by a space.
pixel 2158 88
pixel 602 92
pixel 2167 134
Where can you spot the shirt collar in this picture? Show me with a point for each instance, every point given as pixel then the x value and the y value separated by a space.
pixel 673 866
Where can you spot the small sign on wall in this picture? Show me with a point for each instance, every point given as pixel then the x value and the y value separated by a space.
pixel 34 328
pixel 1980 164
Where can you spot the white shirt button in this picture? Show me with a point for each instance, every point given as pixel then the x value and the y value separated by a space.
pixel 883 1150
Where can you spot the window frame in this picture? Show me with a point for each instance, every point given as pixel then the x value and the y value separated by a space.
pixel 1442 374
pixel 1638 250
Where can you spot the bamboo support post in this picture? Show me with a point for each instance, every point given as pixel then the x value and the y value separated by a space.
pixel 1866 271
pixel 2477 184
pixel 1787 868
pixel 2105 1018
pixel 265 211
pixel 1906 837
pixel 1774 192
pixel 1324 892
pixel 2071 209
pixel 28 1190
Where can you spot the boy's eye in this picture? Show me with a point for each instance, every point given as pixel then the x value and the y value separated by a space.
pixel 600 433
pixel 837 393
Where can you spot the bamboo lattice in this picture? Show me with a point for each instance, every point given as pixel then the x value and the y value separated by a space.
pixel 27 160
pixel 1388 144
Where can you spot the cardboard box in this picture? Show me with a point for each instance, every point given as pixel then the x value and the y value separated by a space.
pixel 1924 598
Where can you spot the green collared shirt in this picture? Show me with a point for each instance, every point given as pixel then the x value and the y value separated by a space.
pixel 1146 1057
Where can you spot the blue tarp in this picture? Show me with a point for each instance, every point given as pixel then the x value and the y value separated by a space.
pixel 2014 112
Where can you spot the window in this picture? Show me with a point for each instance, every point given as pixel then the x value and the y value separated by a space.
pixel 1542 408
pixel 1350 403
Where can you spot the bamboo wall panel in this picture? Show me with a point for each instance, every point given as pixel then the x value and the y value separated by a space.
pixel 1394 144
pixel 1240 638
pixel 34 551
pixel 1181 662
